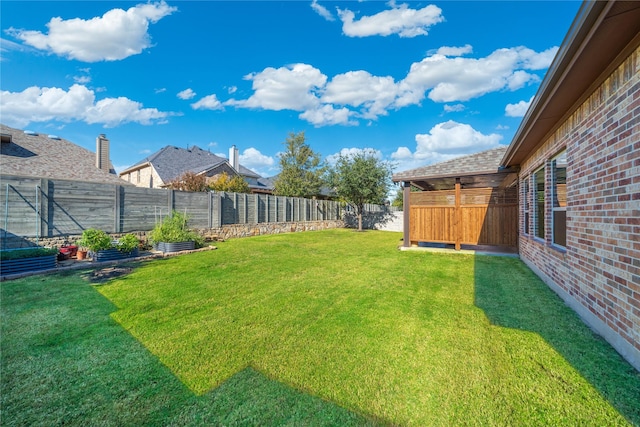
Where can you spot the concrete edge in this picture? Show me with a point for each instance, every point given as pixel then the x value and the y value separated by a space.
pixel 461 251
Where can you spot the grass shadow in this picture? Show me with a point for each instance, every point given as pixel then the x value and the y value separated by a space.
pixel 66 361
pixel 512 296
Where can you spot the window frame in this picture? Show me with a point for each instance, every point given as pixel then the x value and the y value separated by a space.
pixel 557 210
pixel 526 208
pixel 539 208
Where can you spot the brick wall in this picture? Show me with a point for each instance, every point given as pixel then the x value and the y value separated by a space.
pixel 145 177
pixel 598 273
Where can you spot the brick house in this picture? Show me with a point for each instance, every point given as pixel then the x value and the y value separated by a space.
pixel 577 151
pixel 169 163
pixel 34 154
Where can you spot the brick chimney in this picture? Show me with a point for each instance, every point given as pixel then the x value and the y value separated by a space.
pixel 102 153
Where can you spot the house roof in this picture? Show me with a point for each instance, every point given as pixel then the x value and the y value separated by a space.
pixel 479 170
pixel 47 156
pixel 602 35
pixel 170 162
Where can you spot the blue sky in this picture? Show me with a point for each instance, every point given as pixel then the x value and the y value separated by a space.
pixel 419 82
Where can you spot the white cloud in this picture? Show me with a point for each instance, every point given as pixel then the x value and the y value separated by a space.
pixel 361 89
pixel 209 102
pixel 116 35
pixel 254 159
pixel 7 46
pixel 322 11
pixel 36 104
pixel 160 90
pixel 186 94
pixel 328 115
pixel 83 80
pixel 460 79
pixel 454 108
pixel 399 20
pixel 285 88
pixel 232 89
pixel 455 51
pixel 116 111
pixel 517 110
pixel 444 141
pixel 355 95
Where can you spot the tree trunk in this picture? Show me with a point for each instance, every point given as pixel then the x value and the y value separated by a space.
pixel 359 220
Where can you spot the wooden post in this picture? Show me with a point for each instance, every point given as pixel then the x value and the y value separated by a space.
pixel 117 207
pixel 457 222
pixel 406 192
pixel 44 208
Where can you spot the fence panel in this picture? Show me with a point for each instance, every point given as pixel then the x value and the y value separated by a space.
pixel 75 206
pixel 195 205
pixel 141 208
pixel 19 204
pixel 35 207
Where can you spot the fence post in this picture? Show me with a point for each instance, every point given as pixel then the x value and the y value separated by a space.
pixel 170 201
pixel 220 208
pixel 116 210
pixel 210 211
pixel 257 199
pixel 44 207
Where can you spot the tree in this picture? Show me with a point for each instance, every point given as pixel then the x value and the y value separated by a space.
pixel 398 201
pixel 302 169
pixel 361 178
pixel 189 181
pixel 235 184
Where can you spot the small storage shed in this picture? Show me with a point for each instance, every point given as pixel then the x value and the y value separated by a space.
pixel 470 200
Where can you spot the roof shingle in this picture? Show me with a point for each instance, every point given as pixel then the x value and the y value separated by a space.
pixel 39 155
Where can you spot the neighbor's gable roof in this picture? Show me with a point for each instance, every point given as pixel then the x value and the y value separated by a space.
pixel 43 156
pixel 485 162
pixel 602 35
pixel 170 162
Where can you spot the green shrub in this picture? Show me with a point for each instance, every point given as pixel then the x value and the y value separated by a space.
pixel 127 243
pixel 95 240
pixel 27 253
pixel 173 229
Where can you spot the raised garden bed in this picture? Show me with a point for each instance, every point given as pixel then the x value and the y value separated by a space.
pixel 175 247
pixel 23 265
pixel 113 255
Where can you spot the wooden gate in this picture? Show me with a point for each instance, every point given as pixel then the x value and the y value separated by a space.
pixel 474 216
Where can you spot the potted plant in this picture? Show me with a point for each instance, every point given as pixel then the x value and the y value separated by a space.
pixel 172 234
pixel 105 249
pixel 29 259
pixel 94 240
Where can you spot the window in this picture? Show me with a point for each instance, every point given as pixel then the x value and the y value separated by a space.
pixel 138 176
pixel 538 204
pixel 559 197
pixel 527 202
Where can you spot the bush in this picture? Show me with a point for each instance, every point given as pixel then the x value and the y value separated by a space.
pixel 128 243
pixel 173 229
pixel 95 240
pixel 27 253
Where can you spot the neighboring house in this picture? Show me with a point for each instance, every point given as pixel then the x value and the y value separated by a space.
pixel 169 163
pixel 32 154
pixel 577 151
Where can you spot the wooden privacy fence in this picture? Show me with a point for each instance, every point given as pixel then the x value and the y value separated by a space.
pixel 33 207
pixel 475 216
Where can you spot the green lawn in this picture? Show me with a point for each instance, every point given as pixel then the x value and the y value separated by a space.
pixel 317 328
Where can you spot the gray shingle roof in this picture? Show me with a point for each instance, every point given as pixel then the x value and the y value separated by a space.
pixel 44 157
pixel 484 162
pixel 170 162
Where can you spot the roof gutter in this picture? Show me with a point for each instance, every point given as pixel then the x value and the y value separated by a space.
pixel 589 17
